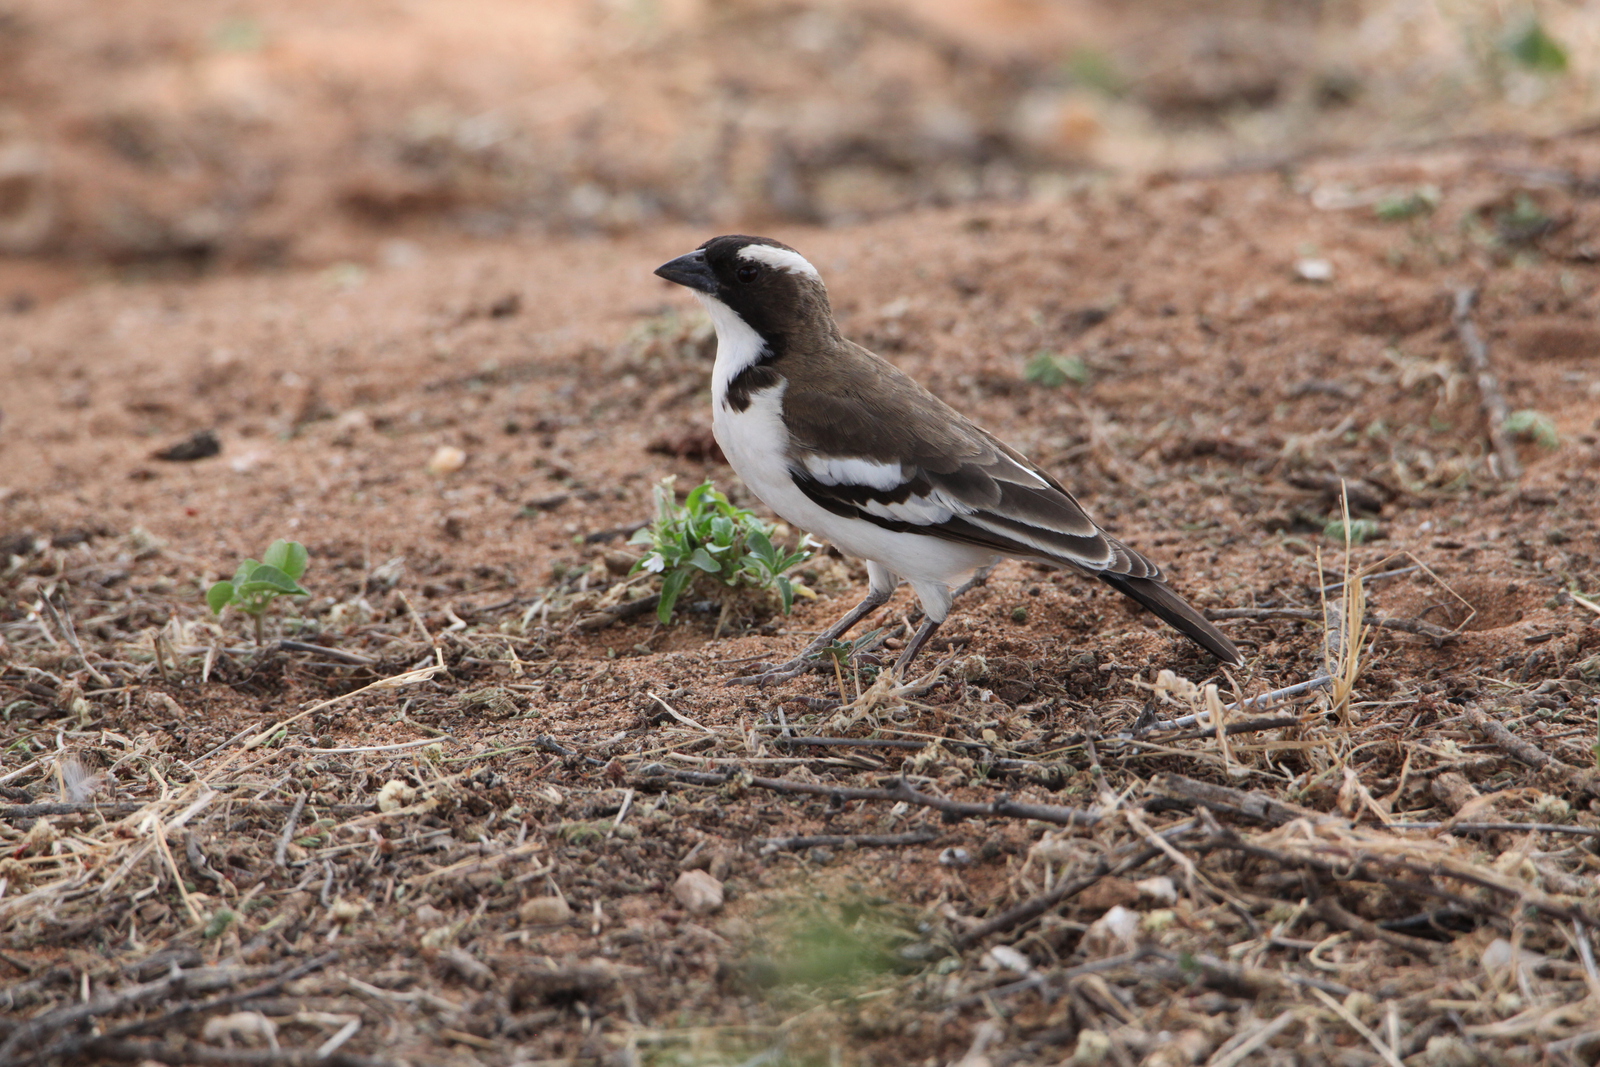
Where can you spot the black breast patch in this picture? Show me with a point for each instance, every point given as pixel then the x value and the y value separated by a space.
pixel 756 378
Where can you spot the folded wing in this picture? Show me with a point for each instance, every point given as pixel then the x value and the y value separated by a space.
pixel 908 462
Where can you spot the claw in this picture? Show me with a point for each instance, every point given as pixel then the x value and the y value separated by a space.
pixel 781 673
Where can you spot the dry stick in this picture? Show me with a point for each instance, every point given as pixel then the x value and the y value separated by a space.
pixel 781 844
pixel 30 1033
pixel 1495 408
pixel 64 624
pixel 1236 1049
pixel 1236 977
pixel 1038 981
pixel 1329 911
pixel 354 658
pixel 1321 681
pixel 1249 726
pixel 1578 780
pixel 1384 1051
pixel 35 811
pixel 1354 865
pixel 1369 579
pixel 1001 807
pixel 1125 859
pixel 1410 626
pixel 1488 827
pixel 186 1008
pixel 211 1056
pixel 1228 801
pixel 1008 763
pixel 280 856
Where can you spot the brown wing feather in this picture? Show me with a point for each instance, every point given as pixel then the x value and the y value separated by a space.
pixel 871 410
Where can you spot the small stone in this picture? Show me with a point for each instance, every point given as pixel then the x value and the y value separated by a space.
pixel 447 459
pixel 698 892
pixel 202 444
pixel 1161 890
pixel 1500 957
pixel 539 911
pixel 395 795
pixel 343 911
pixel 1093 1048
pixel 246 1027
pixel 955 857
pixel 1003 957
pixel 1313 270
pixel 1115 932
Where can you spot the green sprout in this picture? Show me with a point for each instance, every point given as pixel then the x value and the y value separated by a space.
pixel 1531 45
pixel 707 536
pixel 1535 426
pixel 255 585
pixel 1051 370
pixel 1419 201
pixel 1359 533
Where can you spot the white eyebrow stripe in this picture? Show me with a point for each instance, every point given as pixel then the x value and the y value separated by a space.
pixel 781 258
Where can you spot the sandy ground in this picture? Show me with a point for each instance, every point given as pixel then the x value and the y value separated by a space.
pixel 1224 397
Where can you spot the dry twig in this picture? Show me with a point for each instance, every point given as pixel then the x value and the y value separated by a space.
pixel 1495 408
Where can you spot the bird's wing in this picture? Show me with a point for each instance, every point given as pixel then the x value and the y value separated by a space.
pixel 904 460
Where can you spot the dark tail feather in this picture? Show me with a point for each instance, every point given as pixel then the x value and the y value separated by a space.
pixel 1173 610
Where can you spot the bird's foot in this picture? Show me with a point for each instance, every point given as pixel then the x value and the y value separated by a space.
pixel 781 673
pixel 816 657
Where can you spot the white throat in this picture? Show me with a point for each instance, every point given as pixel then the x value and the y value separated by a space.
pixel 738 346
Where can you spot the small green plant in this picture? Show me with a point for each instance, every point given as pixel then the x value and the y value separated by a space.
pixel 1361 530
pixel 256 584
pixel 1095 69
pixel 1536 426
pixel 706 535
pixel 1419 201
pixel 1531 45
pixel 1052 369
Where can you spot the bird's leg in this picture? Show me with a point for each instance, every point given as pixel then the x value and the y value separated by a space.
pixel 914 646
pixel 875 599
pixel 979 576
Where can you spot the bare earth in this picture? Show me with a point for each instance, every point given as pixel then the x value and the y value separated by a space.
pixel 1225 399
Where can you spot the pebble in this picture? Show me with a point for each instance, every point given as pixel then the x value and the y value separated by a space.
pixel 1313 270
pixel 698 892
pixel 1115 932
pixel 447 459
pixel 541 910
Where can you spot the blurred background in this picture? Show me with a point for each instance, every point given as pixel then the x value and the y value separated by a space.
pixel 200 133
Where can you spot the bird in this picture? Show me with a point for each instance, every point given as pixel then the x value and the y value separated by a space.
pixel 842 444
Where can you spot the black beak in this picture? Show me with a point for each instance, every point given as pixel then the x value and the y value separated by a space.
pixel 691 270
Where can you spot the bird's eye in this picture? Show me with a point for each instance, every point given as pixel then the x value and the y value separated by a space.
pixel 747 274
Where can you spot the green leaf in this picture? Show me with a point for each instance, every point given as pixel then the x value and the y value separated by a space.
pixel 1361 530
pixel 290 557
pixel 1051 369
pixel 219 596
pixel 268 579
pixel 786 593
pixel 1535 425
pixel 1531 45
pixel 705 561
pixel 761 545
pixel 672 586
pixel 1419 201
pixel 246 569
